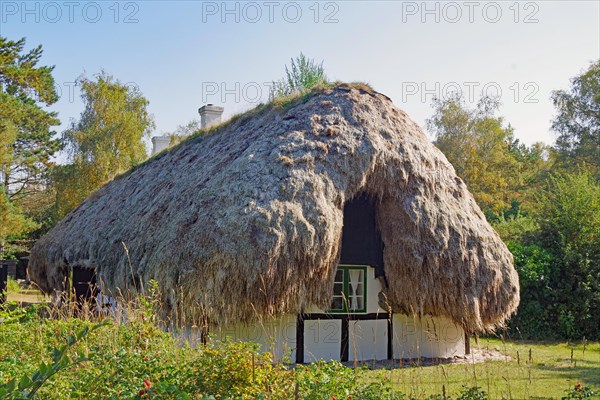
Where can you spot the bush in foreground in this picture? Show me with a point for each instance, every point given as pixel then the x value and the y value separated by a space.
pixel 64 357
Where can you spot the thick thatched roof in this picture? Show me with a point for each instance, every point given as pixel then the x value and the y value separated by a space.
pixel 246 221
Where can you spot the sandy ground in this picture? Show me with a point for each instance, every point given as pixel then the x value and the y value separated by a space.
pixel 27 296
pixel 476 356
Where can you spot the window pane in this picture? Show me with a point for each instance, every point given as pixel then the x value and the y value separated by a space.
pixel 337 303
pixel 356 289
pixel 360 303
pixel 360 290
pixel 338 289
pixel 349 289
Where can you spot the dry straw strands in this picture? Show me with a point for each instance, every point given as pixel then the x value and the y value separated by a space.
pixel 245 221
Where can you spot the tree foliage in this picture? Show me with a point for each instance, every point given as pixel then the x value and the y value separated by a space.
pixel 578 119
pixel 26 141
pixel 106 141
pixel 533 263
pixel 302 75
pixel 13 224
pixel 25 88
pixel 484 153
pixel 559 261
pixel 569 218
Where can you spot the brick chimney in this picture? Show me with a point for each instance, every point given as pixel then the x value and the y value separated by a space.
pixel 210 115
pixel 159 143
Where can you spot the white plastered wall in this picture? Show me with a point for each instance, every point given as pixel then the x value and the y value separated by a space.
pixel 368 340
pixel 322 339
pixel 430 337
pixel 277 336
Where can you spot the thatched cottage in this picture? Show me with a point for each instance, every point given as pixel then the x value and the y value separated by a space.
pixel 328 225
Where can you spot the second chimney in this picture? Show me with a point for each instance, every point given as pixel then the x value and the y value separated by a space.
pixel 159 143
pixel 210 115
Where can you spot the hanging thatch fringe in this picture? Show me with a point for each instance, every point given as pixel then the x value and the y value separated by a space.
pixel 246 220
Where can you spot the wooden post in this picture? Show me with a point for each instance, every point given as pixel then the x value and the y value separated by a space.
pixel 467 344
pixel 571 356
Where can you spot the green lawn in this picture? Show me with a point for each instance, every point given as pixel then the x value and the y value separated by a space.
pixel 549 373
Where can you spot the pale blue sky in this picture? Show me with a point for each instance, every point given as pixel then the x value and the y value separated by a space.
pixel 182 54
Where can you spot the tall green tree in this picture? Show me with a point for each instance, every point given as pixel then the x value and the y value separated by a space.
pixel 578 120
pixel 557 255
pixel 27 142
pixel 302 74
pixel 569 218
pixel 106 141
pixel 484 152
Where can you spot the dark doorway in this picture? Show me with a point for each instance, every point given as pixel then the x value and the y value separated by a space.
pixel 84 284
pixel 21 272
pixel 361 241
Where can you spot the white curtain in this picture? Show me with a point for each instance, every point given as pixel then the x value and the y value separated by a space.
pixel 355 276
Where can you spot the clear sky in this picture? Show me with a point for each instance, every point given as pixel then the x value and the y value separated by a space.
pixel 183 54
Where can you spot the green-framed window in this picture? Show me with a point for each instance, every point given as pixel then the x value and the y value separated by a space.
pixel 349 289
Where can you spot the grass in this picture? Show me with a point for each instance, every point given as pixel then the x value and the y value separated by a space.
pixel 23 294
pixel 123 357
pixel 547 375
pixel 12 285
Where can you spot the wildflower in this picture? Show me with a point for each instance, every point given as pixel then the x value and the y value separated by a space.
pixel 21 357
pixel 147 386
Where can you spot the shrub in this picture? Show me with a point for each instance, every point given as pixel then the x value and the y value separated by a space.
pixel 579 392
pixel 12 286
pixel 302 75
pixel 558 261
pixel 472 393
pixel 533 264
